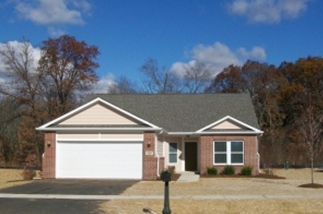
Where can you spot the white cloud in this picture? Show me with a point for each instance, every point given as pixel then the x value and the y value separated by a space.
pixel 256 53
pixel 55 32
pixel 104 84
pixel 49 12
pixel 268 11
pixel 83 5
pixel 217 57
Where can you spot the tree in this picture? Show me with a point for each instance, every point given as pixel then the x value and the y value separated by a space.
pixel 123 85
pixel 311 131
pixel 68 67
pixel 197 77
pixel 22 90
pixel 156 80
pixel 33 93
pixel 230 80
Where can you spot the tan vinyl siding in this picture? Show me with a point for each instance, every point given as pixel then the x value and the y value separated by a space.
pixel 160 146
pixel 122 136
pixel 226 125
pixel 77 135
pixel 98 136
pixel 98 115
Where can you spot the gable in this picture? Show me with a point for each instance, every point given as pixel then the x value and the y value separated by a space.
pixel 229 125
pixel 98 114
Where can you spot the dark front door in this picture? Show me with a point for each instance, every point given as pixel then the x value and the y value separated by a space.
pixel 190 156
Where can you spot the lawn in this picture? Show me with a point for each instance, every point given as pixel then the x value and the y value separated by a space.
pixel 228 186
pixel 215 186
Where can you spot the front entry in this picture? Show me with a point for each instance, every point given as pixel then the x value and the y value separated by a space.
pixel 190 156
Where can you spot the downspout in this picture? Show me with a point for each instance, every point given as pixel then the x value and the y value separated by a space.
pixel 156 152
pixel 258 155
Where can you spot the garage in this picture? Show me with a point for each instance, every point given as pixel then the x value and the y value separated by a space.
pixel 99 159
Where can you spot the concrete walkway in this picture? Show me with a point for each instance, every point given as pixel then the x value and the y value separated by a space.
pixel 188 177
pixel 158 197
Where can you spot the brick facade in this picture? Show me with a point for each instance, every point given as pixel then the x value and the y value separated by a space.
pixel 150 161
pixel 49 157
pixel 250 152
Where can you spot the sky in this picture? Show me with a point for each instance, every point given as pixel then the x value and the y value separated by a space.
pixel 176 33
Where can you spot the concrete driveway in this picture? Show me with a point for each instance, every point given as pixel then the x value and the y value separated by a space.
pixel 60 187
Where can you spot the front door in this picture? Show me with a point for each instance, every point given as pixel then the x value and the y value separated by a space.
pixel 190 156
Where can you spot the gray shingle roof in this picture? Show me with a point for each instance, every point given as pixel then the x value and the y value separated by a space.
pixel 184 112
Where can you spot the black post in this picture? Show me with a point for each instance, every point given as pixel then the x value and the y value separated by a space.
pixel 166 177
pixel 166 209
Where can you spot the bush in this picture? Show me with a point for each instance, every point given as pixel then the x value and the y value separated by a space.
pixel 28 174
pixel 247 170
pixel 269 172
pixel 170 169
pixel 229 170
pixel 212 171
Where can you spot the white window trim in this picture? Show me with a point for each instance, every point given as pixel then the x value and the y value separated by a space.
pixel 169 153
pixel 228 153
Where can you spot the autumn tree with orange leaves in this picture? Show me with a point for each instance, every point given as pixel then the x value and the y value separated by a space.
pixel 68 67
pixel 279 96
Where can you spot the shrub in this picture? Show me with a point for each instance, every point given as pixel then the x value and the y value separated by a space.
pixel 30 161
pixel 212 171
pixel 247 170
pixel 170 169
pixel 229 170
pixel 28 174
pixel 269 172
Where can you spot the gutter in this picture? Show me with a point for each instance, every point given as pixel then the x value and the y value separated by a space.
pixel 216 133
pixel 97 129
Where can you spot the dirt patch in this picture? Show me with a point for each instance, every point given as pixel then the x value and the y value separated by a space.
pixel 261 175
pixel 311 185
pixel 175 177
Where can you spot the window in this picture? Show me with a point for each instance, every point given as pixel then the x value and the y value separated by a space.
pixel 228 152
pixel 172 153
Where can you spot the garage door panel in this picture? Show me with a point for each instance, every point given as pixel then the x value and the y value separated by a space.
pixel 99 160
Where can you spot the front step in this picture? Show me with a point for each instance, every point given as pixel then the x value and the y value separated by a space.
pixel 188 176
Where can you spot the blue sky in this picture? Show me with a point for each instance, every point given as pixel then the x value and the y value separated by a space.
pixel 175 33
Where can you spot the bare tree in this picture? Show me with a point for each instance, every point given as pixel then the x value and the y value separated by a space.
pixel 160 81
pixel 123 85
pixel 22 86
pixel 311 130
pixel 197 78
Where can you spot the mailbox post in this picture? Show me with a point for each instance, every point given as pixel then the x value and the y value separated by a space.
pixel 166 177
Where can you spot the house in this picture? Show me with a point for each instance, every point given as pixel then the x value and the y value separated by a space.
pixel 137 136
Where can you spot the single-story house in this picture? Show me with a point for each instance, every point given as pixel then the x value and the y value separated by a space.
pixel 137 136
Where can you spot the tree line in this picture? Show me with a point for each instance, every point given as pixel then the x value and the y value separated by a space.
pixel 287 98
pixel 35 92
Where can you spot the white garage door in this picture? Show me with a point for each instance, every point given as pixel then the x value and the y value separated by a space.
pixel 99 160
